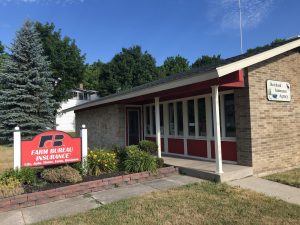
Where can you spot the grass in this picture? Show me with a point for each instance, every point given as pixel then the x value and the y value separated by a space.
pixel 204 203
pixel 291 177
pixel 6 157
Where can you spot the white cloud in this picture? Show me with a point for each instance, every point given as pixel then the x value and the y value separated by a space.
pixel 64 2
pixel 226 12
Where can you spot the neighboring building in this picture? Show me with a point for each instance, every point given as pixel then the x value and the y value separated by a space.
pixel 66 121
pixel 244 110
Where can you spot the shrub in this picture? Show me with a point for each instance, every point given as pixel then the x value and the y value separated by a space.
pixel 148 146
pixel 10 187
pixel 139 161
pixel 101 161
pixel 160 162
pixel 25 175
pixel 64 174
pixel 77 166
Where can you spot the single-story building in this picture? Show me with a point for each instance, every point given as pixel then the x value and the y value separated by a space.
pixel 243 110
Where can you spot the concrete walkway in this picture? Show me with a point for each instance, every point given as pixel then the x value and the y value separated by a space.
pixel 206 169
pixel 89 201
pixel 270 188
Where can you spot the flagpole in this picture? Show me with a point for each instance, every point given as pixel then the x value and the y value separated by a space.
pixel 241 28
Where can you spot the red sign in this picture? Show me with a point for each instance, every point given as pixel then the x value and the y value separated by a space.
pixel 50 148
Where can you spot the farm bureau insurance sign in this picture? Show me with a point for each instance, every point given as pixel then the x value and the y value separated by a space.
pixel 50 148
pixel 278 91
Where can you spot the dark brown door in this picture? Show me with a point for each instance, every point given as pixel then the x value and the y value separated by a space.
pixel 133 126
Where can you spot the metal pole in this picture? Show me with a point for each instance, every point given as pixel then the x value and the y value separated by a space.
pixel 241 27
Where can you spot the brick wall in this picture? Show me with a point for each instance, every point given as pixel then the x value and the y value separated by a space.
pixel 274 137
pixel 106 125
pixel 243 124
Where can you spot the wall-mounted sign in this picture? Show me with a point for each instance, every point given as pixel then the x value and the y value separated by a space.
pixel 50 148
pixel 278 91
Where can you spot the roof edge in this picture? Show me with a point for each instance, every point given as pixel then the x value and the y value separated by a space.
pixel 240 64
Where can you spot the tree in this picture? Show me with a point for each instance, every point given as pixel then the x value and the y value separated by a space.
pixel 91 75
pixel 27 85
pixel 206 60
pixel 1 48
pixel 173 65
pixel 127 69
pixel 67 63
pixel 273 44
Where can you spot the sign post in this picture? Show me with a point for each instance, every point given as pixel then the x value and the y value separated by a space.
pixel 84 146
pixel 17 148
pixel 83 135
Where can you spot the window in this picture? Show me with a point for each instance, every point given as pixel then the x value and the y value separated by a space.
pixel 161 117
pixel 153 120
pixel 171 119
pixel 201 117
pixel 75 94
pixel 179 119
pixel 85 96
pixel 229 115
pixel 80 96
pixel 148 120
pixel 191 117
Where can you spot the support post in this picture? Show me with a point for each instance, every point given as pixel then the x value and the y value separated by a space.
pixel 217 132
pixel 157 125
pixel 84 145
pixel 17 148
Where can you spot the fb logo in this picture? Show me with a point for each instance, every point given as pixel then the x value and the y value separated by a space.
pixel 56 142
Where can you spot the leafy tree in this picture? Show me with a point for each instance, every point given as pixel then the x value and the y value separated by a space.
pixel 127 69
pixel 273 44
pixel 26 94
pixel 205 60
pixel 1 48
pixel 91 75
pixel 173 65
pixel 67 62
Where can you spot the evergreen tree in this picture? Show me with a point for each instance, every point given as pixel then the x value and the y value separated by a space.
pixel 26 94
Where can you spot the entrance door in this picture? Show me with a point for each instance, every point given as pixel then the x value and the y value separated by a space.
pixel 133 129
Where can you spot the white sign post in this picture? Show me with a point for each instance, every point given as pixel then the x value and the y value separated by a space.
pixel 278 91
pixel 84 145
pixel 17 148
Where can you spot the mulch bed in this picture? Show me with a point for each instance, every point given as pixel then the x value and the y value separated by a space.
pixel 48 186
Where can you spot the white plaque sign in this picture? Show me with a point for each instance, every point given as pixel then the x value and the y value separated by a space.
pixel 278 91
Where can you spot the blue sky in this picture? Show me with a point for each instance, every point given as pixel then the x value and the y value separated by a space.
pixel 164 28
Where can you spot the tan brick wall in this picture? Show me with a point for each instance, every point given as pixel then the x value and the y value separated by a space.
pixel 275 126
pixel 106 125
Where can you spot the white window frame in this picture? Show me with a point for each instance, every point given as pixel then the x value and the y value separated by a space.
pixel 209 127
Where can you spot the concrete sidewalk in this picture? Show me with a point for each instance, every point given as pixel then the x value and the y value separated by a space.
pixel 89 201
pixel 270 188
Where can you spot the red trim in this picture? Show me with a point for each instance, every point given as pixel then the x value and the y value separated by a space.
pixel 197 148
pixel 176 145
pixel 236 79
pixel 229 150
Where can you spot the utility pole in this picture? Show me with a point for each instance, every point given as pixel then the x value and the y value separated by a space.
pixel 241 27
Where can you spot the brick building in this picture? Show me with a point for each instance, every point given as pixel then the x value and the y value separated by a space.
pixel 243 110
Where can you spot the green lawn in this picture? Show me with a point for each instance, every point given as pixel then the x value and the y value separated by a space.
pixel 291 177
pixel 204 203
pixel 6 157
